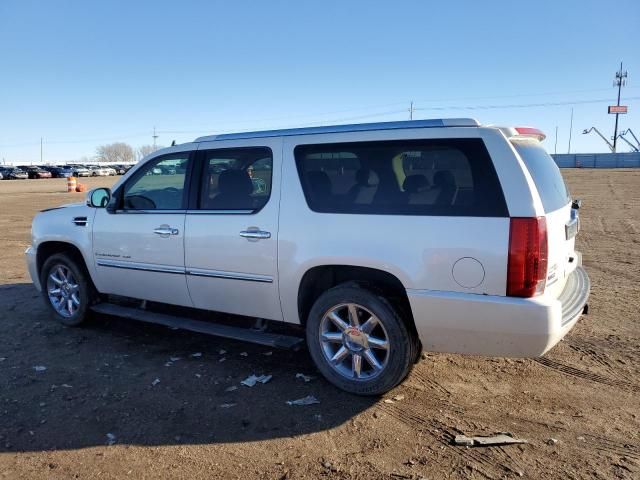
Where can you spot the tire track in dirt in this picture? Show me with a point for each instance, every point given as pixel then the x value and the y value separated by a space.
pixel 594 377
pixel 425 382
pixel 607 445
pixel 598 356
pixel 490 462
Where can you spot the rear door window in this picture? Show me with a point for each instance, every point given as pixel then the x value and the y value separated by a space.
pixel 236 179
pixel 410 177
pixel 545 173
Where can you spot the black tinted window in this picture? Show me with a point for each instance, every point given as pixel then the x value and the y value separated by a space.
pixel 545 173
pixel 236 179
pixel 411 177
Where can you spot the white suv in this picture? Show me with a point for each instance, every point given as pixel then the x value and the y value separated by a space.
pixel 375 240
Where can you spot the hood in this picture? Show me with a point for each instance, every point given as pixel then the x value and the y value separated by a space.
pixel 67 205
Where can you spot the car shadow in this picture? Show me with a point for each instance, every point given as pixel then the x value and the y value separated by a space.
pixel 125 382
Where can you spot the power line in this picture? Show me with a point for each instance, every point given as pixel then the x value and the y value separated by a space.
pixel 522 105
pixel 334 120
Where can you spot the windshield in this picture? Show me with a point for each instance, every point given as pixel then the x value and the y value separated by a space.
pixel 545 173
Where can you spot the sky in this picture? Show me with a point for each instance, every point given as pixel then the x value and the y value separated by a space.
pixel 80 74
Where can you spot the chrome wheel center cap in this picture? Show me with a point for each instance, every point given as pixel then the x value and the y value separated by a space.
pixel 354 339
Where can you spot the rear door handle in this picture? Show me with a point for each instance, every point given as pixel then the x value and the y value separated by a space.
pixel 165 230
pixel 255 234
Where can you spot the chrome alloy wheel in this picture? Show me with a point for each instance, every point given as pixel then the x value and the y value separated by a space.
pixel 63 291
pixel 354 341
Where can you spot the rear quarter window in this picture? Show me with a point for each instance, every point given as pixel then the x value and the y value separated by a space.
pixel 545 173
pixel 440 177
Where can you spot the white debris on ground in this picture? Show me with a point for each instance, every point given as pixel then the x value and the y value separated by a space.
pixel 251 380
pixel 487 441
pixel 174 359
pixel 306 378
pixel 155 382
pixel 111 439
pixel 396 398
pixel 196 355
pixel 308 400
pixel 222 351
pixel 231 388
pixel 268 354
pixel 227 405
pixel 39 368
pixel 244 354
pixel 223 359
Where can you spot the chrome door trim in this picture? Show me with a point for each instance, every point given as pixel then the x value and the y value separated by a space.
pixel 137 212
pixel 219 212
pixel 249 277
pixel 196 272
pixel 145 267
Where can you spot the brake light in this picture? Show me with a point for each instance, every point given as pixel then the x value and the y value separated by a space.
pixel 530 132
pixel 528 253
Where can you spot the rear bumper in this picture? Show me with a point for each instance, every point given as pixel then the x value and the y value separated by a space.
pixel 496 325
pixel 32 266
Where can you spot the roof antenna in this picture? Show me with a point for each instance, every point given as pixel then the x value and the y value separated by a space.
pixel 173 144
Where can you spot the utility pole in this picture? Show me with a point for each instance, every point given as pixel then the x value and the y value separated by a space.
pixel 555 146
pixel 411 110
pixel 570 131
pixel 154 137
pixel 620 81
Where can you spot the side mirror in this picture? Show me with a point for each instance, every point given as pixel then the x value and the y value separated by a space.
pixel 98 197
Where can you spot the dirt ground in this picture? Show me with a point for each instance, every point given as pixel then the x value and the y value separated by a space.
pixel 578 407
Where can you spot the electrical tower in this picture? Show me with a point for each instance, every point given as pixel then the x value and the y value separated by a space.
pixel 620 81
pixel 155 136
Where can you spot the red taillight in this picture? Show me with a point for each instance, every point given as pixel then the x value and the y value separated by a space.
pixel 527 267
pixel 531 132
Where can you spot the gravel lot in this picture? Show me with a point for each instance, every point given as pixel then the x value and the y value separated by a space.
pixel 99 386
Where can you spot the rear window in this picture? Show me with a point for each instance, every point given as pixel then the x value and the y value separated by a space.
pixel 444 177
pixel 545 173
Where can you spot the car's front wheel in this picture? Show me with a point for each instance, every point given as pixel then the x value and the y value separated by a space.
pixel 358 341
pixel 66 289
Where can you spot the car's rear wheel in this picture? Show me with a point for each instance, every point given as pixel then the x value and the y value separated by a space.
pixel 66 289
pixel 358 341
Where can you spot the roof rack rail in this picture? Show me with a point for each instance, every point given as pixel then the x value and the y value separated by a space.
pixel 358 127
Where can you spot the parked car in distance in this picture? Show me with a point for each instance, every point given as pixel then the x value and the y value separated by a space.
pixel 13 173
pixel 98 171
pixel 80 171
pixel 371 242
pixel 60 171
pixel 37 172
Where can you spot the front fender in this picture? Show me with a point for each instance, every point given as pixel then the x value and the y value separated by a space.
pixel 57 225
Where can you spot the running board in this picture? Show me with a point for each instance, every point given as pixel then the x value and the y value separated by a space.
pixel 184 323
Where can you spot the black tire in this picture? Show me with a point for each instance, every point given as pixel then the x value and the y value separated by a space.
pixel 399 357
pixel 85 292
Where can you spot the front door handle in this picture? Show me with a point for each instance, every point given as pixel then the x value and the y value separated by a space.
pixel 255 234
pixel 165 230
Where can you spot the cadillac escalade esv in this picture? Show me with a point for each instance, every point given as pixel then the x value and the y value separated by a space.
pixel 377 240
